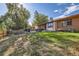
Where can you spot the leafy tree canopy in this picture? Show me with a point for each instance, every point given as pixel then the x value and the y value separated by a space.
pixel 39 18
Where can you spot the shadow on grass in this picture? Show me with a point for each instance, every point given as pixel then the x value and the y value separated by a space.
pixel 42 46
pixel 63 39
pixel 63 42
pixel 45 44
pixel 4 45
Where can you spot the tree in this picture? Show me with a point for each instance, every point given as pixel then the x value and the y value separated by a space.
pixel 5 23
pixel 24 16
pixel 18 14
pixel 39 18
pixel 3 27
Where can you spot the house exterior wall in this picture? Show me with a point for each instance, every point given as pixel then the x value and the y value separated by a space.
pixel 60 24
pixel 42 27
pixel 49 29
pixel 74 26
pixel 36 27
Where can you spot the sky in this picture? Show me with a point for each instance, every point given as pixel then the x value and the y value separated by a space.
pixel 54 10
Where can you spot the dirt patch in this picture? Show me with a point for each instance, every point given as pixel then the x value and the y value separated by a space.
pixel 9 51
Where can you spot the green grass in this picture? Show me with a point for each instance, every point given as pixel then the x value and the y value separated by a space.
pixel 60 36
pixel 65 40
pixel 44 44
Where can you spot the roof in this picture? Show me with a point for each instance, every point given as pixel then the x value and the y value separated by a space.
pixel 70 17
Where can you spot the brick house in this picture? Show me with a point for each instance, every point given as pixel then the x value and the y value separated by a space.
pixel 68 23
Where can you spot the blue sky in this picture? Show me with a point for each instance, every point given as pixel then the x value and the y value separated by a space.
pixel 55 10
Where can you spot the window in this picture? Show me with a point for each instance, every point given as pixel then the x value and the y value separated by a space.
pixel 50 24
pixel 64 23
pixel 67 22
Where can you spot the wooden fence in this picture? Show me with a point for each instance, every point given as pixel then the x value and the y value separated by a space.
pixel 3 33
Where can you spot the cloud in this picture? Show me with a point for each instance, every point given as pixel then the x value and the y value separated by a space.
pixel 55 11
pixel 58 11
pixel 69 10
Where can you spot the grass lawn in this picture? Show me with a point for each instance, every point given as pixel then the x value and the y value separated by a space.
pixel 63 37
pixel 62 43
pixel 42 44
